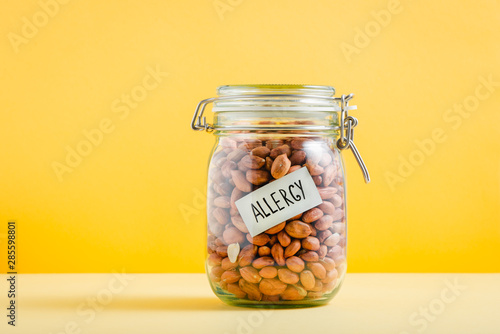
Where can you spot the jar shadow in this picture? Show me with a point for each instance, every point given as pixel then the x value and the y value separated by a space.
pixel 182 303
pixel 134 303
pixel 138 303
pixel 168 303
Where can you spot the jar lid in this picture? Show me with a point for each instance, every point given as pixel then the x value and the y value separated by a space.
pixel 276 97
pixel 275 89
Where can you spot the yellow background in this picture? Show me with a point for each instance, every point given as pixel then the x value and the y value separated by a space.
pixel 121 208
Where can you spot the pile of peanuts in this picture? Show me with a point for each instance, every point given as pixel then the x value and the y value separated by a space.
pixel 301 258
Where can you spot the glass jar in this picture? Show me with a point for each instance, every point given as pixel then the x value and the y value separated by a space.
pixel 276 197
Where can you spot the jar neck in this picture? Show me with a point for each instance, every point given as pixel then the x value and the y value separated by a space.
pixel 278 135
pixel 277 121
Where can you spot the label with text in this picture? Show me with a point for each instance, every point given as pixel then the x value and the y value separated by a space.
pixel 278 201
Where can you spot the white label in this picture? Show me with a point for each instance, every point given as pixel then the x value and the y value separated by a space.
pixel 278 201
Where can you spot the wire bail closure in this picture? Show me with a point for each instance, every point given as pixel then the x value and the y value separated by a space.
pixel 347 123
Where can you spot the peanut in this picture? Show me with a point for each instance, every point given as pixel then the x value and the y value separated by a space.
pixel 233 250
pixel 307 279
pixel 322 251
pixel 328 175
pixel 269 163
pixel 317 269
pixel 228 265
pixel 239 223
pixel 338 214
pixel 278 254
pixel 337 201
pixel 247 255
pixel 227 167
pixel 222 202
pixel 259 239
pixel 293 292
pixel 310 256
pixel 268 298
pixel 312 215
pixel 314 169
pixel 287 276
pixel 280 150
pixel 299 143
pixel 250 144
pixel 323 235
pixel 284 239
pixel 215 273
pixel 328 263
pixel 298 229
pixel 330 276
pixel 230 276
pixel 232 235
pixel 280 166
pixel 235 290
pixel 252 161
pixel 257 177
pixel 328 287
pixel 324 223
pixel 276 229
pixel 292 248
pixel 268 272
pixel 318 180
pixel 221 251
pixel 338 227
pixel 236 155
pixel 295 264
pixel 310 243
pixel 298 157
pixel 327 207
pixel 221 216
pixel 236 194
pixel 214 260
pixel 272 286
pixel 294 168
pixel 262 262
pixel 240 181
pixel 332 240
pixel 250 274
pixel 250 289
pixel 327 192
pixel 261 151
pixel 318 286
pixel 264 251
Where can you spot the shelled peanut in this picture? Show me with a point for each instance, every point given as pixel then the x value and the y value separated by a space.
pixel 303 257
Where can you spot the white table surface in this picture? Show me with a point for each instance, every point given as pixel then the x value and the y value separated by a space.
pixel 184 303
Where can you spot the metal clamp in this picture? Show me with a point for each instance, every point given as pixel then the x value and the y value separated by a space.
pixel 347 123
pixel 347 135
pixel 202 124
pixel 199 122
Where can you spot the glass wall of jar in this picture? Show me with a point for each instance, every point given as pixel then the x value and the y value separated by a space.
pixel 264 133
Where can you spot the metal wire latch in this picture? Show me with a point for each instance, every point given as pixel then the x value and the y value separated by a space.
pixel 199 122
pixel 347 125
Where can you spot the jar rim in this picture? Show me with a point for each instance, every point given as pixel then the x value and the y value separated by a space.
pixel 276 97
pixel 286 89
